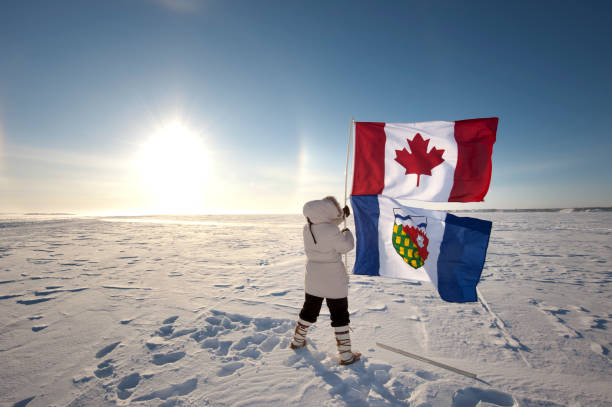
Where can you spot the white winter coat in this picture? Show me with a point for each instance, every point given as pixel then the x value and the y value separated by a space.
pixel 325 273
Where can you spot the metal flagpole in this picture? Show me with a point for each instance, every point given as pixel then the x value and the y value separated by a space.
pixel 426 360
pixel 348 153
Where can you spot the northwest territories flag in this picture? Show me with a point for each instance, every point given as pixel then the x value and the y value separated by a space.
pixel 427 161
pixel 418 244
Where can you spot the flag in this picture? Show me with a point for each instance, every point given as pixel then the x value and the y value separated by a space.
pixel 427 161
pixel 418 244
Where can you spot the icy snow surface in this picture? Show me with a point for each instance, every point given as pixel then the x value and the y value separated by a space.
pixel 199 311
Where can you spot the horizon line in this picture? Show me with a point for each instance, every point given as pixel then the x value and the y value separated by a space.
pixel 150 214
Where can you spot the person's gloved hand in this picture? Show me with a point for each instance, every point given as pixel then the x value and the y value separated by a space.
pixel 346 211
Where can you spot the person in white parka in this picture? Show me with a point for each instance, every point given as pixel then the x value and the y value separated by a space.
pixel 325 276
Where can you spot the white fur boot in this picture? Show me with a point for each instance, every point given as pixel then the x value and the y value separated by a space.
pixel 299 336
pixel 343 340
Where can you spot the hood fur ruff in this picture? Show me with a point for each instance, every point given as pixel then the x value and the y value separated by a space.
pixel 326 210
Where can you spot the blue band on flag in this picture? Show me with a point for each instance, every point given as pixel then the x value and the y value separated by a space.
pixel 366 212
pixel 462 256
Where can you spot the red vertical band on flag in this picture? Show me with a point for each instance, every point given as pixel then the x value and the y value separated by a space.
pixel 369 168
pixel 475 140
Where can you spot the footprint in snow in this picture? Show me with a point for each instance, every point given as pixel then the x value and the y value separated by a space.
pixel 229 368
pixel 152 345
pixel 105 369
pixel 270 343
pixel 251 339
pixel 221 348
pixel 235 337
pixel 170 320
pixel 165 358
pixel 126 384
pixel 425 375
pixel 182 332
pixel 165 330
pixel 106 350
pixel 473 396
pixel 180 389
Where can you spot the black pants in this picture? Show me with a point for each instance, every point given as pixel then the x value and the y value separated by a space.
pixel 338 310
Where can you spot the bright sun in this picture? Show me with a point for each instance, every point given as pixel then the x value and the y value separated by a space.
pixel 174 165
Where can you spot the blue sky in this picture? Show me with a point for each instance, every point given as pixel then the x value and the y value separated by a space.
pixel 269 88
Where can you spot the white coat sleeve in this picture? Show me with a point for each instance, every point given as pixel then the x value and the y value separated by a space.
pixel 344 242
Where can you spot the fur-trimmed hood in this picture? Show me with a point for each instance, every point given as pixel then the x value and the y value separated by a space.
pixel 326 210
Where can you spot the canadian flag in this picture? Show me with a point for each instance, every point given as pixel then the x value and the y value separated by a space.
pixel 428 161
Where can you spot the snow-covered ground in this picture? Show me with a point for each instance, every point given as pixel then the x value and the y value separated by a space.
pixel 199 311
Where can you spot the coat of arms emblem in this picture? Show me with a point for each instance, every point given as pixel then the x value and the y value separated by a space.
pixel 410 238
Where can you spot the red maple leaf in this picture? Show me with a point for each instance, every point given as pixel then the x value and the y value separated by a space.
pixel 419 161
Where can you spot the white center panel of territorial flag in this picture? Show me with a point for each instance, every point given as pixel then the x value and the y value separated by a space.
pixel 434 187
pixel 419 244
pixel 409 241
